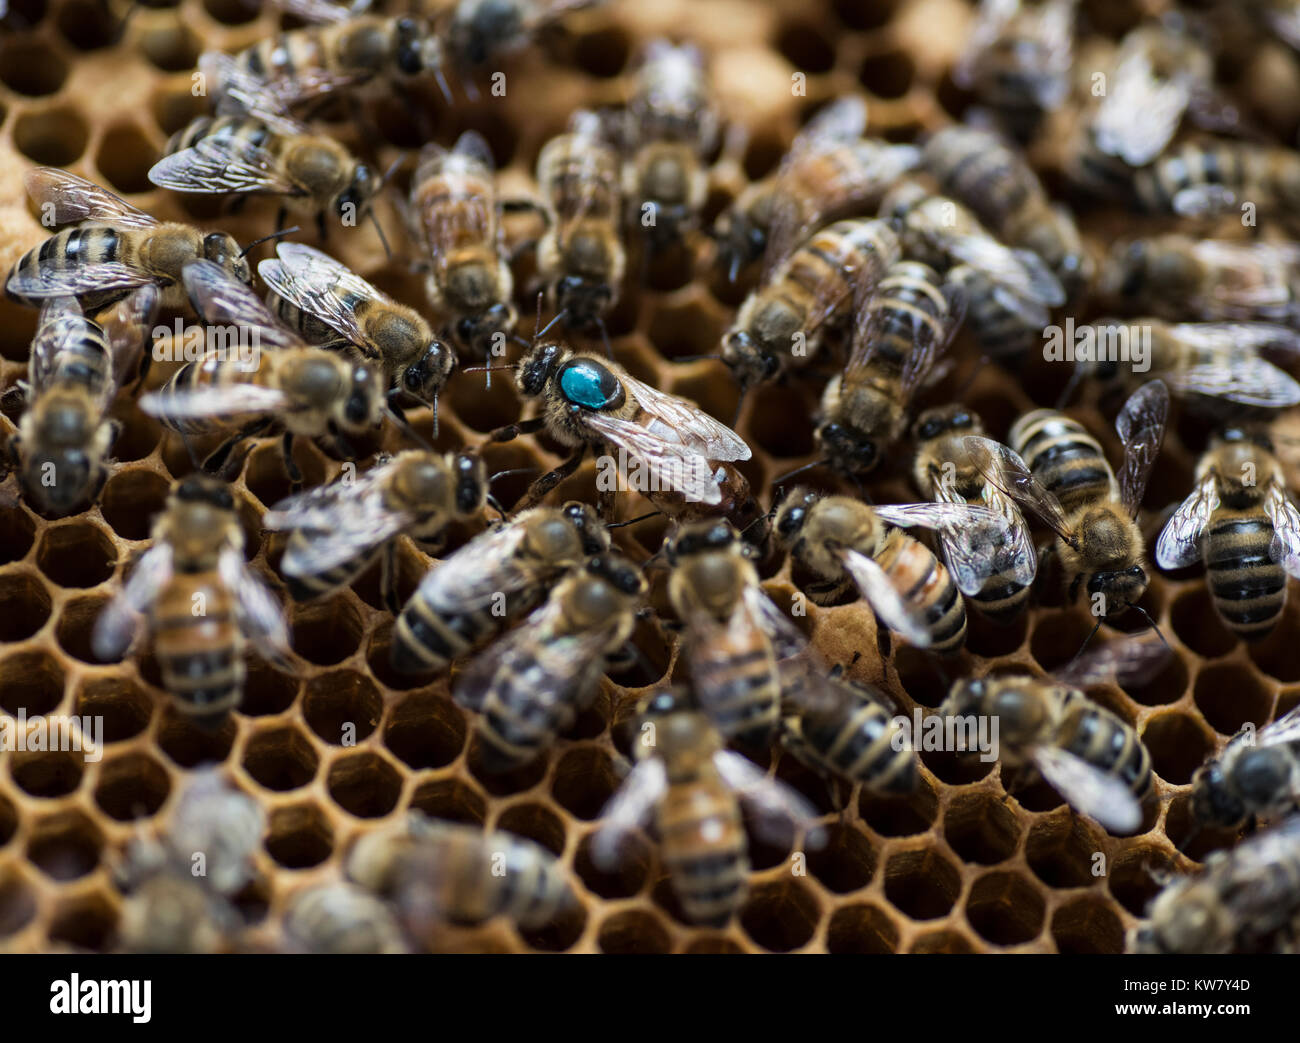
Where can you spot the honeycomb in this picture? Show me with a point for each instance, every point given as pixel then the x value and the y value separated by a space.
pixel 959 866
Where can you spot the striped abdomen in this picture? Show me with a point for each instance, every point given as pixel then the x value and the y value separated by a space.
pixel 580 178
pixel 470 888
pixel 837 256
pixel 1000 331
pixel 976 169
pixel 523 713
pixel 75 248
pixel 909 296
pixel 1101 739
pixel 855 742
pixel 456 206
pixel 1248 586
pixel 314 584
pixel 1065 458
pixel 734 673
pixel 198 644
pixel 703 847
pixel 1232 166
pixel 216 367
pixel 84 360
pixel 924 582
pixel 427 640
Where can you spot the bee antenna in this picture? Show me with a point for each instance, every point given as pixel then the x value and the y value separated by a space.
pixel 388 174
pixel 404 425
pixel 1147 616
pixel 652 561
pixel 267 238
pixel 733 270
pixel 495 504
pixel 1071 386
pixel 778 481
pixel 631 521
pixel 512 471
pixel 545 329
pixel 1091 634
pixel 604 335
pixel 379 230
pixel 537 328
pixel 740 404
pixel 434 404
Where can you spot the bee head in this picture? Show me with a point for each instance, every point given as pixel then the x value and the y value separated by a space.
pixel 582 299
pixel 848 449
pixel 477 25
pixel 223 250
pixel 481 333
pixel 1119 588
pixel 471 483
pixel 934 423
pixel 749 363
pixel 72 479
pixel 538 367
pixel 353 200
pixel 618 572
pixel 1213 802
pixel 965 697
pixel 361 407
pixel 203 489
pixel 700 538
pixel 1248 435
pixel 793 514
pixel 591 530
pixel 425 377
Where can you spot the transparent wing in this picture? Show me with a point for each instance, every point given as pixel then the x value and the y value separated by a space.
pixel 1089 790
pixel 1003 468
pixel 713 439
pixel 776 803
pixel 320 286
pixel 1179 544
pixel 937 515
pixel 77 280
pixel 241 92
pixel 116 624
pixel 214 400
pixel 629 809
pixel 222 165
pixel 128 324
pixel 74 198
pixel 317 509
pixel 1203 200
pixel 361 524
pixel 1141 427
pixel 60 323
pixel 887 602
pixel 971 535
pixel 665 463
pixel 1282 732
pixel 261 616
pixel 1239 374
pixel 1135 88
pixel 1028 284
pixel 1131 661
pixel 787 639
pixel 1285 547
pixel 222 300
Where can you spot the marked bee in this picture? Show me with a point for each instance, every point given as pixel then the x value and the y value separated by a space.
pixel 317 291
pixel 848 544
pixel 337 530
pixel 830 172
pixel 580 257
pixel 898 336
pixel 341 918
pixel 442 871
pixel 692 788
pixel 945 471
pixel 1239 520
pixel 1065 480
pixel 530 685
pixel 816 287
pixel 61 447
pixel 481 30
pixel 113 250
pixel 490 582
pixel 280 380
pixel 1239 902
pixel 1178 277
pixel 1088 754
pixel 455 210
pixel 201 600
pixel 1256 776
pixel 1205 178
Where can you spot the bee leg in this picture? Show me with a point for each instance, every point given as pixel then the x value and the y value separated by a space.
pixel 291 465
pixel 607 505
pixel 146 363
pixel 540 488
pixel 512 431
pixel 281 216
pixel 321 230
pixel 218 460
pixel 388 578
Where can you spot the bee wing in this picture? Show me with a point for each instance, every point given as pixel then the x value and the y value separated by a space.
pixel 927 346
pixel 1284 731
pixel 1089 790
pixel 787 639
pixel 320 286
pixel 319 12
pixel 991 21
pixel 969 532
pixel 214 400
pixel 1141 427
pixel 241 91
pixel 667 463
pixel 1285 547
pixel 590 173
pixel 484 567
pixel 76 199
pixel 60 321
pixel 714 440
pixel 775 802
pixel 1247 379
pixel 1179 544
pixel 223 165
pixel 938 516
pixel 1028 283
pixel 127 326
pixel 1003 469
pixel 261 616
pixel 360 523
pixel 844 119
pixel 629 809
pixel 77 280
pixel 1233 270
pixel 1131 661
pixel 116 624
pixel 1135 88
pixel 317 509
pixel 222 300
pixel 1203 200
pixel 474 145
pixel 885 600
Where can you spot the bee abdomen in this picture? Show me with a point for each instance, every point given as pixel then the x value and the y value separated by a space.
pixel 1110 746
pixel 860 748
pixel 703 847
pixel 425 639
pixel 924 582
pixel 314 584
pixel 199 650
pixel 1248 586
pixel 1064 457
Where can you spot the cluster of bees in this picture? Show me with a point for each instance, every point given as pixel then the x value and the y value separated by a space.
pixel 865 258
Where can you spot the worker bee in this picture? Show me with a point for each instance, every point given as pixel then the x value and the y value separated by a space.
pixel 898 335
pixel 829 277
pixel 317 291
pixel 1239 902
pixel 493 580
pixel 691 786
pixel 671 123
pixel 979 169
pixel 735 636
pixel 1179 277
pixel 113 250
pixel 201 600
pixel 1088 754
pixel 266 154
pixel 1202 179
pixel 945 471
pixel 1239 519
pixel 1065 480
pixel 580 257
pixel 1254 776
pixel 341 918
pixel 530 685
pixel 1018 59
pixel 443 871
pixel 848 544
pixel 481 30
pixel 311 392
pixel 455 209
pixel 830 172
pixel 336 531
pixel 61 447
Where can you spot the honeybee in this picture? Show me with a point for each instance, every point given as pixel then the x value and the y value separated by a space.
pixel 455 208
pixel 735 636
pixel 898 335
pixel 660 444
pixel 266 154
pixel 830 172
pixel 689 785
pixel 168 911
pixel 494 579
pixel 1205 178
pixel 484 29
pixel 580 257
pixel 1088 754
pixel 436 871
pixel 846 543
pixel 311 392
pixel 978 168
pixel 1064 479
pixel 1179 277
pixel 201 600
pixel 1018 59
pixel 671 122
pixel 1239 519
pixel 1240 900
pixel 113 250
pixel 341 918
pixel 339 529
pixel 1254 776
pixel 317 290
pixel 530 685
pixel 945 471
pixel 61 447
pixel 782 322
pixel 943 233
